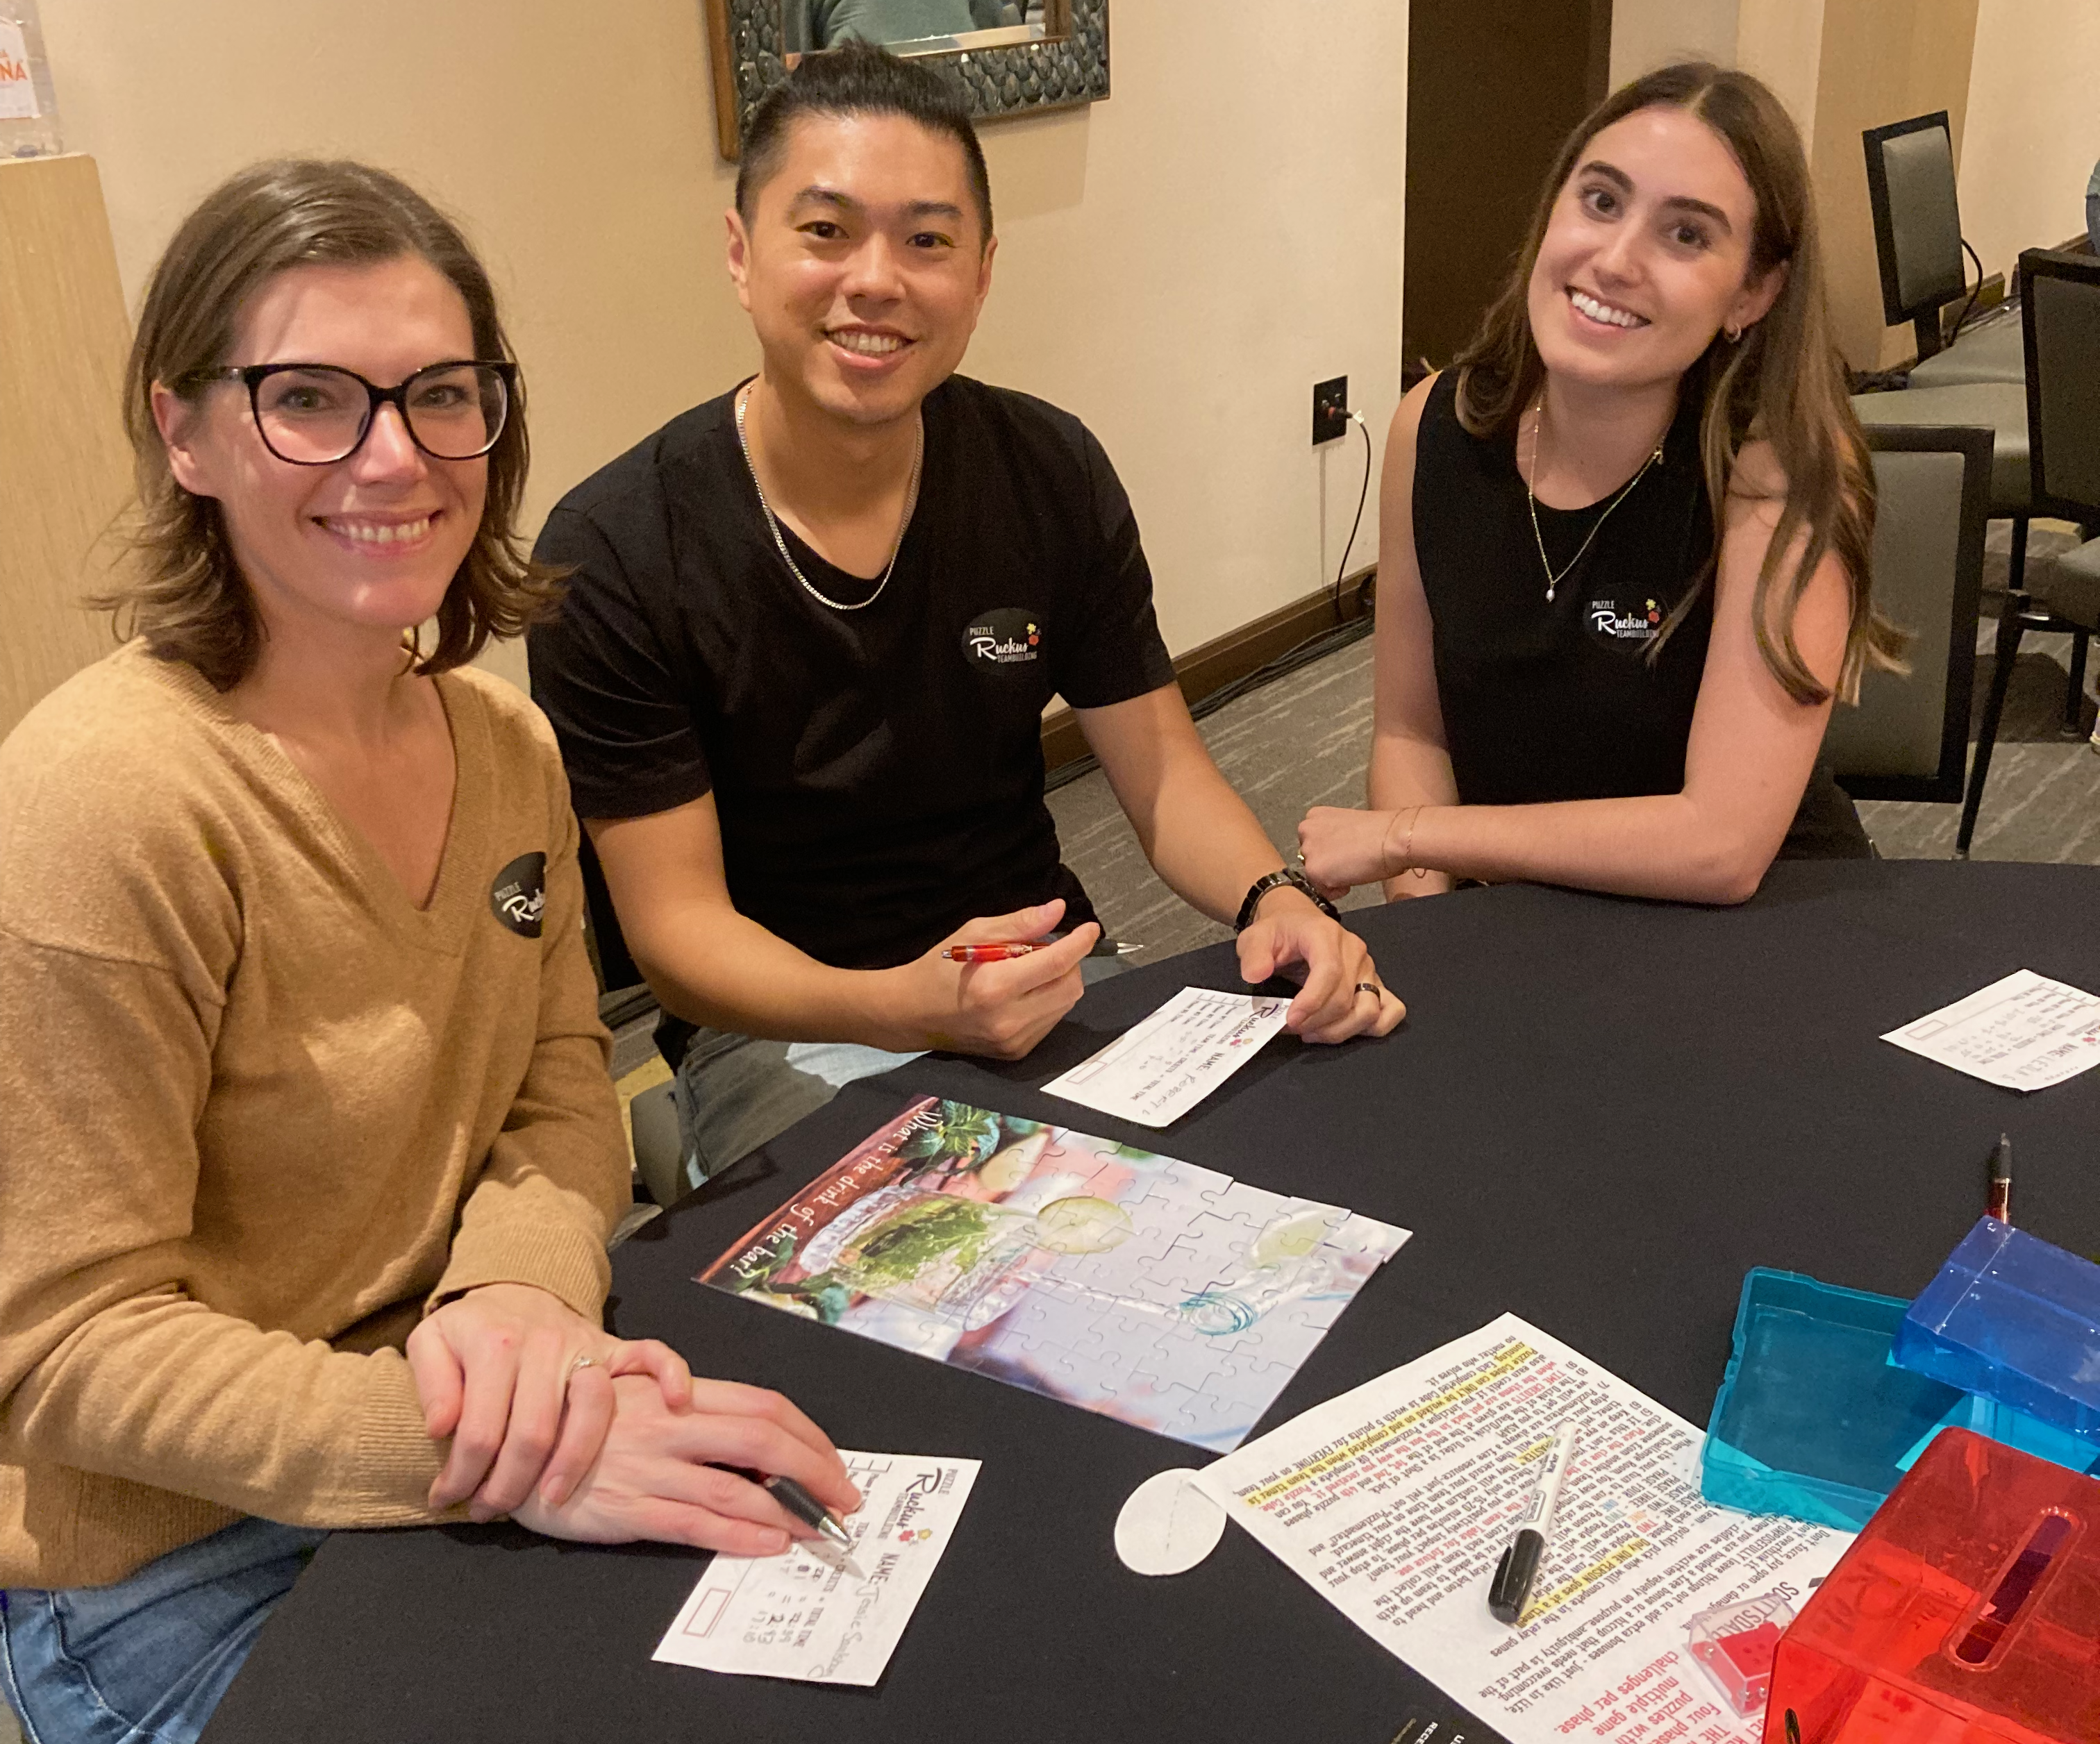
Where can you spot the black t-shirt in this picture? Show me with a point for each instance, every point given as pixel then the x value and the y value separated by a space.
pixel 1560 699
pixel 878 773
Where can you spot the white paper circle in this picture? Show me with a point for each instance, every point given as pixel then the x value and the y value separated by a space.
pixel 1168 1524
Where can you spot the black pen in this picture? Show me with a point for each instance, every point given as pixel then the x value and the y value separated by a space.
pixel 1514 1575
pixel 812 1513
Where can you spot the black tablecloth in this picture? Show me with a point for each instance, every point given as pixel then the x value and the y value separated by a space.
pixel 1599 1115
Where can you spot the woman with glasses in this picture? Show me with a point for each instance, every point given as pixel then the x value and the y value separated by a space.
pixel 310 1150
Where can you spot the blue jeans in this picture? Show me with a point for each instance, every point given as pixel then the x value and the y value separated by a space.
pixel 734 1093
pixel 145 1661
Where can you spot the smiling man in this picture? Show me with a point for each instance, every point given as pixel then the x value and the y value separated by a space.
pixel 813 625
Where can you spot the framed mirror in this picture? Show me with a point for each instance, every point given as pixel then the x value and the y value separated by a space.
pixel 1010 57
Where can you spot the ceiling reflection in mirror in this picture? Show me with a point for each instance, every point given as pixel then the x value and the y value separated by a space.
pixel 916 27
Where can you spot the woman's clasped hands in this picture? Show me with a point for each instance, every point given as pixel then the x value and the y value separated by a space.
pixel 580 1435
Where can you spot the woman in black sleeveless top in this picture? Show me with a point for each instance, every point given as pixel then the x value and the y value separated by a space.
pixel 1576 682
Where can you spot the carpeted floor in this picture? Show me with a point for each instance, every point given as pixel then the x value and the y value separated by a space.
pixel 1302 740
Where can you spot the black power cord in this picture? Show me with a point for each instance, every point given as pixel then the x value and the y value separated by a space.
pixel 1316 647
pixel 1968 308
pixel 1363 495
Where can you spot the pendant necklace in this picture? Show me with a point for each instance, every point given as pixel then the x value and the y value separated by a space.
pixel 1538 424
pixel 780 544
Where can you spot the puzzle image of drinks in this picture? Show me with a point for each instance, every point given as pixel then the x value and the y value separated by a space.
pixel 1169 1296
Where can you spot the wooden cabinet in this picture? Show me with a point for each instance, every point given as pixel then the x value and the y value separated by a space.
pixel 1493 87
pixel 65 468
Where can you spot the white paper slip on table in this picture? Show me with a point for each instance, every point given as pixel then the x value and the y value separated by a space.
pixel 800 1614
pixel 2025 1031
pixel 1160 1068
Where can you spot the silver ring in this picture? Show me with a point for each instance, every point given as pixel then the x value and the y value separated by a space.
pixel 1301 857
pixel 584 1362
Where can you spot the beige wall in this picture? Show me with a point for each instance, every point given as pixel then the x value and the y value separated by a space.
pixel 1882 61
pixel 1178 265
pixel 1650 33
pixel 2034 126
pixel 1781 41
pixel 66 466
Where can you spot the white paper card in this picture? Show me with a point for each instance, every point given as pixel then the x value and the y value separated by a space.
pixel 18 91
pixel 800 1614
pixel 2026 1033
pixel 1156 1072
pixel 1654 1612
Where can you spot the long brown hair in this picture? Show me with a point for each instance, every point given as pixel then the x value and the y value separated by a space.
pixel 1783 384
pixel 188 597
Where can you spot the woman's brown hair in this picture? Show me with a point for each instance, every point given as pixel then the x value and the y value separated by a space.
pixel 188 599
pixel 1783 384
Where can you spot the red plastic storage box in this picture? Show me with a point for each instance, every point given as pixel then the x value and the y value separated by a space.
pixel 1967 1612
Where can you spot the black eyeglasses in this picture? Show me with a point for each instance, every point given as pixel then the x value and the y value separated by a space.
pixel 317 414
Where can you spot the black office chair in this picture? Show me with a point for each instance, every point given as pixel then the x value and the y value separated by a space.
pixel 1908 737
pixel 1979 380
pixel 2060 322
pixel 1918 245
pixel 623 996
pixel 610 957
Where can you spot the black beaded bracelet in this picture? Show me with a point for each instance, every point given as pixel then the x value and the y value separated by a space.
pixel 1262 886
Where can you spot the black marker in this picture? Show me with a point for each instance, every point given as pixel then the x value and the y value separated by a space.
pixel 1519 1567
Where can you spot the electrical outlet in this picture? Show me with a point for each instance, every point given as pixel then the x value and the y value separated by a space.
pixel 1330 410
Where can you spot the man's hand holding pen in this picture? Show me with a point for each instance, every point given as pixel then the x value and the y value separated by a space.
pixel 1000 1009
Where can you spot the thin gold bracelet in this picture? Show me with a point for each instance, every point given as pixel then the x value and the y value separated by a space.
pixel 1407 847
pixel 1385 841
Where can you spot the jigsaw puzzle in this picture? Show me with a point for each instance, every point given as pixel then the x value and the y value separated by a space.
pixel 1169 1296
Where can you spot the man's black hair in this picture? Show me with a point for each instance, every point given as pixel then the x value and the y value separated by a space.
pixel 857 78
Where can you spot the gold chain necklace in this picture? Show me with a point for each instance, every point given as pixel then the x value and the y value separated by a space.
pixel 1552 580
pixel 780 544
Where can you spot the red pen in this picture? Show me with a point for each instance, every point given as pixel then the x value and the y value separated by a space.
pixel 1998 1194
pixel 1001 952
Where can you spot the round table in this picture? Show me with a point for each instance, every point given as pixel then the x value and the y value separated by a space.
pixel 1599 1115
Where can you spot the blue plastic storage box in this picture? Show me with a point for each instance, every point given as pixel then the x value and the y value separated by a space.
pixel 1813 1420
pixel 2016 1321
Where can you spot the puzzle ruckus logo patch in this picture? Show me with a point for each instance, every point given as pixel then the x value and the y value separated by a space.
pixel 518 897
pixel 1640 624
pixel 1012 635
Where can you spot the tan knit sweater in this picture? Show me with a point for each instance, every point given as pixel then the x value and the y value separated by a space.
pixel 257 1113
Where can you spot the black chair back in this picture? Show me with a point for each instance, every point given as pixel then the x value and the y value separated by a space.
pixel 1917 223
pixel 1908 737
pixel 2060 318
pixel 608 946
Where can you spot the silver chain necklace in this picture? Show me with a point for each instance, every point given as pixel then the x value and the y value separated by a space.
pixel 1552 580
pixel 780 544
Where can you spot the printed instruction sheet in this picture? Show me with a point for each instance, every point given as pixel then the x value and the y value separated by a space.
pixel 1156 1072
pixel 2025 1031
pixel 1654 1615
pixel 801 1614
